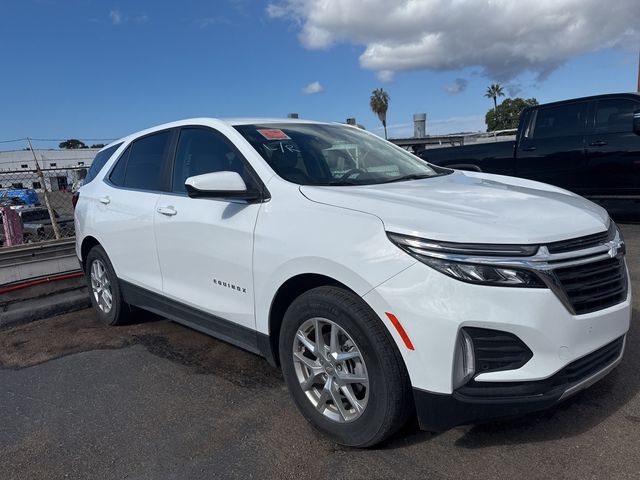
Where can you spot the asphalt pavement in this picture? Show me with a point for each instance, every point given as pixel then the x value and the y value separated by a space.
pixel 156 400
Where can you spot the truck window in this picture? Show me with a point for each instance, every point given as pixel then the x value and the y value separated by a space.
pixel 560 121
pixel 615 115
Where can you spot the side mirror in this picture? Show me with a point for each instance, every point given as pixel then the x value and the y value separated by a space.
pixel 636 122
pixel 228 185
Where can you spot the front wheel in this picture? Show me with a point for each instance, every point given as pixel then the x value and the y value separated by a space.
pixel 343 370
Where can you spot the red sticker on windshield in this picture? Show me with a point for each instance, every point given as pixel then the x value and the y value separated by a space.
pixel 274 134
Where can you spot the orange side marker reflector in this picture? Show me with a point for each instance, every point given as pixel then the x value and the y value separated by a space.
pixel 403 334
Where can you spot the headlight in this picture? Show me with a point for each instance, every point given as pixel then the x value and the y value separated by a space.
pixel 456 261
pixel 485 274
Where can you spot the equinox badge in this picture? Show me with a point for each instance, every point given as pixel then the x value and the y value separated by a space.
pixel 231 286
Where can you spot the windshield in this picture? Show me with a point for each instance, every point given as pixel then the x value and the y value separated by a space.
pixel 319 154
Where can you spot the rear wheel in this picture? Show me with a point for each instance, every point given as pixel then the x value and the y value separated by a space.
pixel 342 368
pixel 104 289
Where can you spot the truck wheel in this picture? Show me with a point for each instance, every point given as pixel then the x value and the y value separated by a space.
pixel 343 369
pixel 104 289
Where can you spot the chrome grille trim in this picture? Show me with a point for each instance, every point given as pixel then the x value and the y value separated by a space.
pixel 543 262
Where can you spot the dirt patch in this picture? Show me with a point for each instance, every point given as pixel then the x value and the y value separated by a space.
pixel 76 332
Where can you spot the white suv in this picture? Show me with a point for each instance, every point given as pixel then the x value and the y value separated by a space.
pixel 380 284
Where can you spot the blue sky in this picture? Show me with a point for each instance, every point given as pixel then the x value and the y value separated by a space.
pixel 101 69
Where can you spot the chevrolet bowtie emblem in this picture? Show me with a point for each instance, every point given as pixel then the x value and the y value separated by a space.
pixel 614 246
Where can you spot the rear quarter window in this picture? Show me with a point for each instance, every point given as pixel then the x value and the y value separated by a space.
pixel 101 159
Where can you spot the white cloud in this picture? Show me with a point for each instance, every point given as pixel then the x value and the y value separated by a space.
pixel 386 76
pixel 276 11
pixel 115 16
pixel 206 22
pixel 503 37
pixel 118 18
pixel 313 87
pixel 456 87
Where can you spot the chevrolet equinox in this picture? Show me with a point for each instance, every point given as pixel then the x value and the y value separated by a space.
pixel 382 286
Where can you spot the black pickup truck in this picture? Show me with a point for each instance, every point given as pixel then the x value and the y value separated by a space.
pixel 589 145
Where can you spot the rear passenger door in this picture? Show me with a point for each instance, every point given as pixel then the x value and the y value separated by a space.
pixel 613 149
pixel 127 210
pixel 205 245
pixel 552 148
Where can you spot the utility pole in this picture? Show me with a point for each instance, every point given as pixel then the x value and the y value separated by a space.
pixel 52 215
pixel 638 72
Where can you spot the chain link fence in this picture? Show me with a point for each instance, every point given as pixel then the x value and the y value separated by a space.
pixel 36 204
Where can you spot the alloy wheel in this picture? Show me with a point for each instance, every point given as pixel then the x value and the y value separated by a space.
pixel 331 370
pixel 101 286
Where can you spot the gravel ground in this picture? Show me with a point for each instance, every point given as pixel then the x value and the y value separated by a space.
pixel 157 400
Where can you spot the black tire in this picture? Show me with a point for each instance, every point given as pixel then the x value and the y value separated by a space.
pixel 120 311
pixel 389 398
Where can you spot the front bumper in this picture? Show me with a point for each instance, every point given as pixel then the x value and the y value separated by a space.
pixel 432 308
pixel 478 402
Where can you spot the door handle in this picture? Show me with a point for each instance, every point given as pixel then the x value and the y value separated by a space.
pixel 106 200
pixel 598 143
pixel 529 149
pixel 168 211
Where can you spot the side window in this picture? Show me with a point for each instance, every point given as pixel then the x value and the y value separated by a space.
pixel 615 115
pixel 101 158
pixel 560 121
pixel 203 151
pixel 144 165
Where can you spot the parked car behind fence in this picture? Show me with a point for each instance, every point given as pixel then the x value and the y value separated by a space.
pixel 22 190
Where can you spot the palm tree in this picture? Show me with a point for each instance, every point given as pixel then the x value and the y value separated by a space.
pixel 379 104
pixel 494 91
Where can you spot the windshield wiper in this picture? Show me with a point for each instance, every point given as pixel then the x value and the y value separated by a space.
pixel 413 176
pixel 341 183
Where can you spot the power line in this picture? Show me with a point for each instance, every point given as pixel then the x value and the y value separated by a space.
pixel 65 139
pixel 57 140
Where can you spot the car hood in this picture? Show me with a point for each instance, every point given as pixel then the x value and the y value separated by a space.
pixel 471 207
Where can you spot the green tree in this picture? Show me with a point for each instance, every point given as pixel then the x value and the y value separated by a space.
pixel 494 91
pixel 379 105
pixel 507 114
pixel 72 144
pixel 97 145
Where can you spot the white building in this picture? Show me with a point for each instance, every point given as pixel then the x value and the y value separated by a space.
pixel 60 168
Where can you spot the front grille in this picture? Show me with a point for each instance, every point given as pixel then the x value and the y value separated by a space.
pixel 495 350
pixel 572 374
pixel 594 286
pixel 580 243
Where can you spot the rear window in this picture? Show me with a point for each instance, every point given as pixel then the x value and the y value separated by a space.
pixel 140 166
pixel 144 167
pixel 101 158
pixel 615 115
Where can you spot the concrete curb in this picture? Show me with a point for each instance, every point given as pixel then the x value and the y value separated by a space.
pixel 39 308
